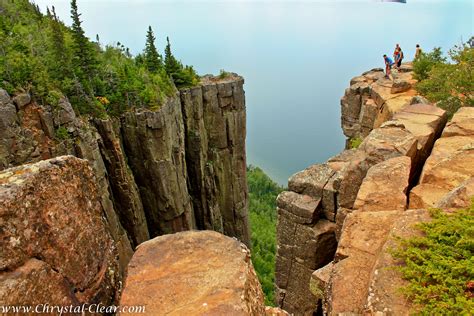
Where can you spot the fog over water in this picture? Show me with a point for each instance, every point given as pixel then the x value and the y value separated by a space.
pixel 297 57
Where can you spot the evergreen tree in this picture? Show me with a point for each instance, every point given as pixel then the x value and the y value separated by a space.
pixel 172 66
pixel 60 65
pixel 153 59
pixel 84 55
pixel 181 76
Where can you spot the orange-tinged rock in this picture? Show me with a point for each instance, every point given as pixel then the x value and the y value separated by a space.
pixel 363 236
pixel 462 123
pixel 55 245
pixel 385 186
pixel 384 294
pixel 193 273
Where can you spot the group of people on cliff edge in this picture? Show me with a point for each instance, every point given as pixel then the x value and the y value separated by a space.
pixel 397 59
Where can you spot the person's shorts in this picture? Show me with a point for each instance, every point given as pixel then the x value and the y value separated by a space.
pixel 399 63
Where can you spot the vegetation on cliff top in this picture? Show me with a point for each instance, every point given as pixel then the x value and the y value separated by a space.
pixel 262 195
pixel 450 84
pixel 439 265
pixel 40 55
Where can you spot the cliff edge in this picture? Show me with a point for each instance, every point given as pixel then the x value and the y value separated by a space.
pixel 335 222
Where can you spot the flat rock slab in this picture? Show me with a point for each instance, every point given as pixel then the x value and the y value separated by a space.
pixel 193 273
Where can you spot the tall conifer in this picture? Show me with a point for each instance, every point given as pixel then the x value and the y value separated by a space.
pixel 84 55
pixel 153 59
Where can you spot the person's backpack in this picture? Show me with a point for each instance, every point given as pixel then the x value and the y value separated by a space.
pixel 401 54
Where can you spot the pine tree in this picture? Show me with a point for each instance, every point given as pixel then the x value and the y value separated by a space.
pixel 153 60
pixel 181 76
pixel 172 66
pixel 60 63
pixel 84 55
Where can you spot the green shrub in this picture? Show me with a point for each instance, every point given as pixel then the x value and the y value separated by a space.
pixel 262 195
pixel 423 64
pixel 439 265
pixel 355 142
pixel 451 85
pixel 62 133
pixel 223 74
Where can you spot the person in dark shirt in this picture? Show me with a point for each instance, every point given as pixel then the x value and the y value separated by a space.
pixel 399 57
pixel 395 52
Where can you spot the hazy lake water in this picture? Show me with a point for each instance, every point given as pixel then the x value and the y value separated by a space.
pixel 297 57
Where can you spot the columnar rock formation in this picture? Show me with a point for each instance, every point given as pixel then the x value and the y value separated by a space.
pixel 56 246
pixel 215 129
pixel 177 168
pixel 368 186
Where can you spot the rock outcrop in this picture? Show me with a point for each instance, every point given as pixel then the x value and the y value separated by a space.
pixel 194 273
pixel 371 100
pixel 348 205
pixel 56 246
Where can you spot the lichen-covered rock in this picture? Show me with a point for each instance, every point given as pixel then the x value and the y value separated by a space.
pixel 22 99
pixel 63 113
pixel 56 248
pixel 193 273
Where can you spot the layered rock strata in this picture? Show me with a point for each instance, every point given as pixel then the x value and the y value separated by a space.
pixel 194 273
pixel 374 177
pixel 176 168
pixel 56 246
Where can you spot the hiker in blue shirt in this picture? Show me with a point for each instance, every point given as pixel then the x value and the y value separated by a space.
pixel 388 65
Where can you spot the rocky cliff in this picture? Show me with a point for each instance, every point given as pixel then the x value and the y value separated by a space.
pixel 335 222
pixel 162 171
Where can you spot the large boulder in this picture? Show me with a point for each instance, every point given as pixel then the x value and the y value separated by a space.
pixel 385 186
pixel 193 273
pixel 55 245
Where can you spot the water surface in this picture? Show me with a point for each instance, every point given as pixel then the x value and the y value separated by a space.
pixel 297 57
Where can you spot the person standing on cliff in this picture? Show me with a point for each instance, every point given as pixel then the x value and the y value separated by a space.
pixel 395 52
pixel 418 51
pixel 388 65
pixel 398 56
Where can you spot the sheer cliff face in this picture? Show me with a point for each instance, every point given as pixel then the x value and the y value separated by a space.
pixel 178 168
pixel 214 116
